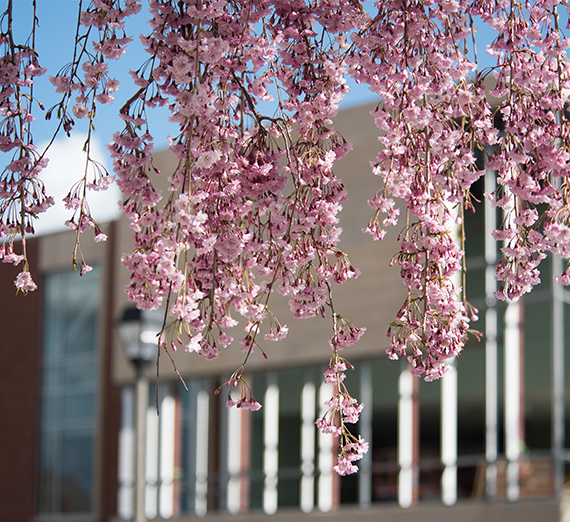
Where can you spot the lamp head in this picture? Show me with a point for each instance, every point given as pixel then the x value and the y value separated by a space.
pixel 138 332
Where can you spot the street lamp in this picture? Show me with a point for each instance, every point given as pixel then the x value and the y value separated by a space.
pixel 138 330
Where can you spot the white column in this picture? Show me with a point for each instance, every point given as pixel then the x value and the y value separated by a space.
pixel 202 424
pixel 125 500
pixel 449 435
pixel 167 447
pixel 512 399
pixel 326 455
pixel 271 449
pixel 223 458
pixel 152 442
pixel 308 414
pixel 406 438
pixel 234 429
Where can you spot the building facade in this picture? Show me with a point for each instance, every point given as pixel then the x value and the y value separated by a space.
pixel 483 443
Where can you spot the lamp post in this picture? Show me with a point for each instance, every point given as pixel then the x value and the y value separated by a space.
pixel 138 330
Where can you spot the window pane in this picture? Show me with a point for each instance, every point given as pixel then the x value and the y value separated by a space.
pixel 69 393
pixel 537 374
pixel 384 451
pixel 290 386
pixel 259 385
pixel 51 378
pixel 430 439
pixel 80 406
pixel 80 315
pixel 48 473
pixel 471 401
pixel 49 407
pixel 81 374
pixel 190 435
pixel 77 473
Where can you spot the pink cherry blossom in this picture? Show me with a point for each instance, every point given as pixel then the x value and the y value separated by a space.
pixel 253 205
pixel 24 282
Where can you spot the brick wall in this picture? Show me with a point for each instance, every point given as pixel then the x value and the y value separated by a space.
pixel 20 322
pixel 111 394
pixel 20 376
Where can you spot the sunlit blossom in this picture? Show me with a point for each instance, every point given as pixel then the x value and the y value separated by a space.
pixel 253 206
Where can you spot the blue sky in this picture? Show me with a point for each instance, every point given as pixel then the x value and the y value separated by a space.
pixel 55 37
pixel 54 41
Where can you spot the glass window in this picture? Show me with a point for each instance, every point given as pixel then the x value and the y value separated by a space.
pixel 384 444
pixel 69 393
pixel 235 460
pixel 259 385
pixel 290 387
pixel 470 418
pixel 537 384
pixel 377 479
pixel 194 487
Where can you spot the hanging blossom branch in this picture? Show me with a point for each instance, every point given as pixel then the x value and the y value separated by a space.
pixel 22 194
pixel 252 206
pixel 432 115
pixel 532 155
pixel 343 409
pixel 92 88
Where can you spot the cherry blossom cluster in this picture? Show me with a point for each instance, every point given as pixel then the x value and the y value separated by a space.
pixel 251 209
pixel 531 156
pixel 85 83
pixel 22 194
pixel 431 115
pixel 343 409
pixel 431 325
pixel 246 399
pixel 252 206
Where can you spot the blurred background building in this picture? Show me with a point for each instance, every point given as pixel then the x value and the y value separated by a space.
pixel 485 443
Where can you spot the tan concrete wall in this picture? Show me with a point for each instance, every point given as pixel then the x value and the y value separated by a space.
pixel 56 250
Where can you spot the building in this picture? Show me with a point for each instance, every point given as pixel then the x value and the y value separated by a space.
pixel 484 443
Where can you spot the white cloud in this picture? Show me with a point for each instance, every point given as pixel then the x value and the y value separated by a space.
pixel 66 166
